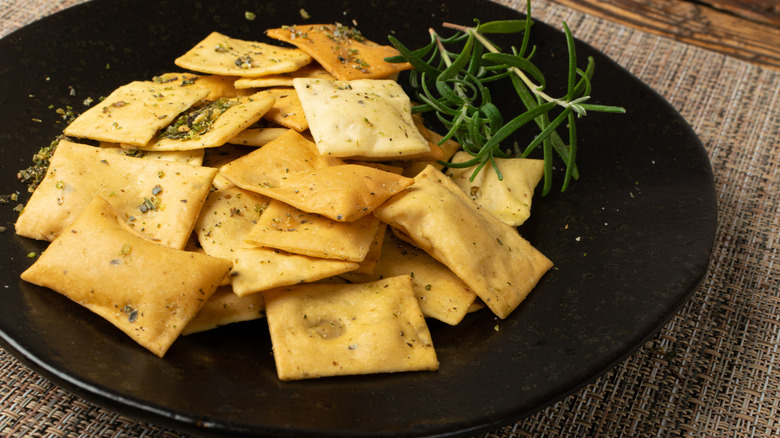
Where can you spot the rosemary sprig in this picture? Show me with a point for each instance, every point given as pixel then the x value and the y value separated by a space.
pixel 453 77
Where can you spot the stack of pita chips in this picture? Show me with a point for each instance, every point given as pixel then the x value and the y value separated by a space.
pixel 285 181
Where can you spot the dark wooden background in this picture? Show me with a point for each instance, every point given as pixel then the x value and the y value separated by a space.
pixel 746 29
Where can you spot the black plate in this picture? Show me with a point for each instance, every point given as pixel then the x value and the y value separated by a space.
pixel 631 240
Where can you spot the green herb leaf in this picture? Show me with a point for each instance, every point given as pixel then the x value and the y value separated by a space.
pixel 453 78
pixel 502 26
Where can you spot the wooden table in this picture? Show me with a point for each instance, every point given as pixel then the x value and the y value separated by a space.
pixel 745 29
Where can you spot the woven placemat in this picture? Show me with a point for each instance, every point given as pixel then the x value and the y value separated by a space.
pixel 712 371
pixel 17 13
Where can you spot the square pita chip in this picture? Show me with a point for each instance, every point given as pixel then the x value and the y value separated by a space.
pixel 147 290
pixel 159 200
pixel 287 228
pixel 221 55
pixel 218 86
pixel 491 257
pixel 257 136
pixel 441 294
pixel 313 70
pixel 290 169
pixel 269 166
pixel 508 199
pixel 341 50
pixel 320 330
pixel 287 110
pixel 227 218
pixel 223 308
pixel 193 157
pixel 133 113
pixel 343 193
pixel 213 124
pixel 367 119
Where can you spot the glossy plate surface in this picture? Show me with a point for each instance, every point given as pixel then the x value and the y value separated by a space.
pixel 631 240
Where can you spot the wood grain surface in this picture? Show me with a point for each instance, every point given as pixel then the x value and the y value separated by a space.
pixel 745 29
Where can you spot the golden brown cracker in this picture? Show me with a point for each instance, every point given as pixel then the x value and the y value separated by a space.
pixel 489 256
pixel 133 113
pixel 222 228
pixel 509 199
pixel 341 50
pixel 221 55
pixel 320 330
pixel 157 199
pixel 147 290
pixel 212 125
pixel 287 228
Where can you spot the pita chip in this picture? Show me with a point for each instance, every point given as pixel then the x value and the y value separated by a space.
pixel 320 330
pixel 219 86
pixel 221 55
pixel 223 308
pixel 257 136
pixel 193 157
pixel 212 125
pixel 270 165
pixel 341 50
pixel 147 290
pixel 313 70
pixel 508 199
pixel 159 200
pixel 366 119
pixel 441 294
pixel 291 170
pixel 343 193
pixel 133 113
pixel 287 228
pixel 227 218
pixel 489 256
pixel 287 110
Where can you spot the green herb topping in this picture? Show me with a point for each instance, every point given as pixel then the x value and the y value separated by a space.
pixel 33 175
pixel 196 122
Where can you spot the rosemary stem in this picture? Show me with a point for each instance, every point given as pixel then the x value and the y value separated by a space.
pixel 447 61
pixel 444 55
pixel 535 88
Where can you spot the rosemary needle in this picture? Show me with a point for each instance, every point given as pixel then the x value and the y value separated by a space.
pixel 453 77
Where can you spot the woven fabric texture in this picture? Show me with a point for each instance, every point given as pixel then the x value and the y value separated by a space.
pixel 712 371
